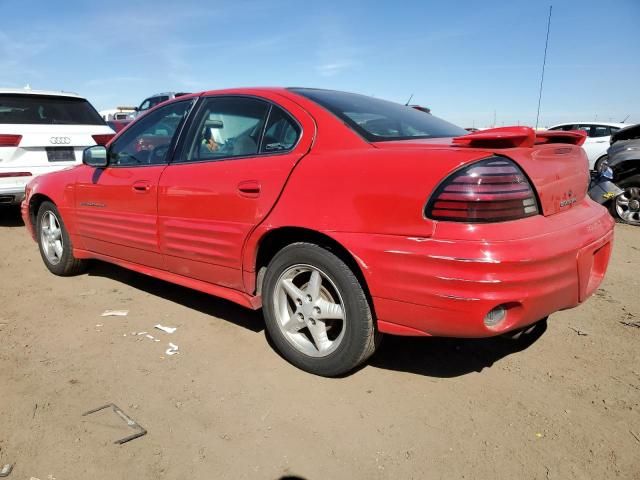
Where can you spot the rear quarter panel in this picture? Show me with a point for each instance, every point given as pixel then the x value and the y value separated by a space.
pixel 365 190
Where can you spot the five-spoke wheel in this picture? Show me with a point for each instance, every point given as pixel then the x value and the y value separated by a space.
pixel 316 310
pixel 626 206
pixel 51 237
pixel 309 310
pixel 54 242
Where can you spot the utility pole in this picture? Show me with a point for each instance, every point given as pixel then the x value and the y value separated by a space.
pixel 544 63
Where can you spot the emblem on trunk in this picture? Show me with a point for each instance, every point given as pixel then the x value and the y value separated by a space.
pixel 60 140
pixel 569 200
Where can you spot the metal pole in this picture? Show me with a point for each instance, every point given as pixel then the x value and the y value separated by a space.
pixel 544 62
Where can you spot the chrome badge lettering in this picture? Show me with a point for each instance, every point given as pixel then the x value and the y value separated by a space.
pixel 92 204
pixel 568 201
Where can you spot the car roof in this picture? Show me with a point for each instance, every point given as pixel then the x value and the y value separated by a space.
pixel 27 91
pixel 606 124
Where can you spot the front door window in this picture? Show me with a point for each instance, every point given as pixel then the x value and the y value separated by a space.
pixel 149 140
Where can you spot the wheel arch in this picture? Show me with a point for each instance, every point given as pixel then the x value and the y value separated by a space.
pixel 35 201
pixel 276 239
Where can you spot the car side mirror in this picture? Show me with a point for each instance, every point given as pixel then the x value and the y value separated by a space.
pixel 95 156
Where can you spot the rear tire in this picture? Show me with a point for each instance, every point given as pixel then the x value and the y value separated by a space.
pixel 625 208
pixel 316 311
pixel 55 245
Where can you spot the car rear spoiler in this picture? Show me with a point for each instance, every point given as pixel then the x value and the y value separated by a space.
pixel 513 137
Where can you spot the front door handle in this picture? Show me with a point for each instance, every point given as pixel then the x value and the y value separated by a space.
pixel 142 186
pixel 249 188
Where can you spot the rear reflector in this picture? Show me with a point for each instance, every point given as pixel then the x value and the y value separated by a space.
pixel 103 139
pixel 10 140
pixel 491 190
pixel 15 174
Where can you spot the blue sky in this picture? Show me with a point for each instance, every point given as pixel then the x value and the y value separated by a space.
pixel 463 59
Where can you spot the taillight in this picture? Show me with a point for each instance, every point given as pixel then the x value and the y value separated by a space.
pixel 491 190
pixel 10 140
pixel 103 139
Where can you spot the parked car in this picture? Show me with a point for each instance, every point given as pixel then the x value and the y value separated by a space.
pixel 624 160
pixel 153 100
pixel 343 216
pixel 598 136
pixel 40 132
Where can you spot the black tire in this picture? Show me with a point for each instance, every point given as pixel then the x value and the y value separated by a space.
pixel 625 184
pixel 67 265
pixel 596 166
pixel 360 336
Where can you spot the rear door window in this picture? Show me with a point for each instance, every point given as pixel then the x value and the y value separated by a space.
pixel 281 133
pixel 225 127
pixel 47 110
pixel 600 131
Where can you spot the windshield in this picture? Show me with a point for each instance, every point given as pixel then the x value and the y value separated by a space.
pixel 379 120
pixel 47 110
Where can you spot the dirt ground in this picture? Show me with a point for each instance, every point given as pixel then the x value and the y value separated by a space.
pixel 564 404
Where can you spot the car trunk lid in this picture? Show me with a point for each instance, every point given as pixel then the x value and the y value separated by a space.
pixel 554 161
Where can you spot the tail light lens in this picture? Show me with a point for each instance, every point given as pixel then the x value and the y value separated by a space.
pixel 14 174
pixel 103 139
pixel 491 190
pixel 10 140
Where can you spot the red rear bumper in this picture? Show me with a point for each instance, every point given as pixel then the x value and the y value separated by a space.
pixel 445 285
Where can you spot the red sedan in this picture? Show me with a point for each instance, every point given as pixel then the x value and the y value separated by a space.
pixel 344 217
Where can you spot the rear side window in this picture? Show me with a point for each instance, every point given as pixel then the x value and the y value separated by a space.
pixel 600 131
pixel 281 134
pixel 47 110
pixel 379 120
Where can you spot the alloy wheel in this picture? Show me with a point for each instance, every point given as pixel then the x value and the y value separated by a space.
pixel 628 205
pixel 51 237
pixel 309 310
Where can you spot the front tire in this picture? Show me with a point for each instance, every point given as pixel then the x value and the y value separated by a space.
pixel 316 311
pixel 55 245
pixel 625 208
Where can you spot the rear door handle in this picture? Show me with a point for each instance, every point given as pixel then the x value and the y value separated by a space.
pixel 142 186
pixel 249 188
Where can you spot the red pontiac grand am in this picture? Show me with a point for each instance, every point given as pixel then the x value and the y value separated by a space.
pixel 344 217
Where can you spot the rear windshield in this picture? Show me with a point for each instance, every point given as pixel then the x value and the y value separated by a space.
pixel 47 110
pixel 379 120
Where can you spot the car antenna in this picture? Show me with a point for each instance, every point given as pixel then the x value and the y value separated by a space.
pixel 544 62
pixel 625 118
pixel 407 104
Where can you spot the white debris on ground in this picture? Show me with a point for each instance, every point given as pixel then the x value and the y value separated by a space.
pixel 172 350
pixel 166 329
pixel 115 313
